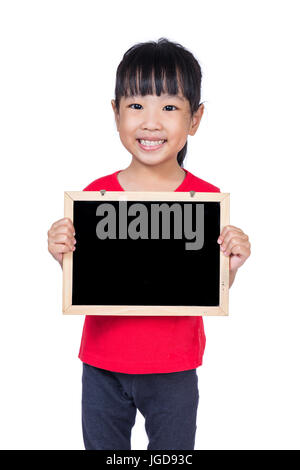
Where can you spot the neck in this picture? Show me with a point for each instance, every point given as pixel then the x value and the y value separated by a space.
pixel 165 172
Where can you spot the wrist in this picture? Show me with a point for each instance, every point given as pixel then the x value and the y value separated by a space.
pixel 232 274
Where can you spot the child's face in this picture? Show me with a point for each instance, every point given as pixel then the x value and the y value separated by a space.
pixel 155 118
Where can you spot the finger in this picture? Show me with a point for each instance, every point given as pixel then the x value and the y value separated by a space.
pixel 233 238
pixel 241 252
pixel 56 248
pixel 62 229
pixel 65 222
pixel 226 230
pixel 241 249
pixel 234 235
pixel 62 239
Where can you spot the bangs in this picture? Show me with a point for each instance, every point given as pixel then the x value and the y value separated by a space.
pixel 150 75
pixel 150 81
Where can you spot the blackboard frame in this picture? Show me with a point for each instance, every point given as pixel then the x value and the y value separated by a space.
pixel 103 195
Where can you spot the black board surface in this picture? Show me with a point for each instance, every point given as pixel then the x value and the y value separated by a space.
pixel 144 271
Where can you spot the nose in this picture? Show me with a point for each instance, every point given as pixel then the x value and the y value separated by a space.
pixel 151 120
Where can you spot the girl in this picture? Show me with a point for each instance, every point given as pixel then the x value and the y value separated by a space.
pixel 148 362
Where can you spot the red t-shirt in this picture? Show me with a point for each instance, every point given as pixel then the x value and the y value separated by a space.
pixel 144 344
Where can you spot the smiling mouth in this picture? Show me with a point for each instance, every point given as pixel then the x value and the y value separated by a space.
pixel 151 144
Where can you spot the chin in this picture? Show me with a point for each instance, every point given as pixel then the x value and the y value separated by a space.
pixel 150 160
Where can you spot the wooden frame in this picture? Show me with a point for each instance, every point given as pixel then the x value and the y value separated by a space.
pixel 103 195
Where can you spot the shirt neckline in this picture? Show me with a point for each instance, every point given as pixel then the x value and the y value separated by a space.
pixel 179 188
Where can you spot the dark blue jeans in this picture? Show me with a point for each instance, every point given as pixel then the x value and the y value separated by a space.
pixel 110 400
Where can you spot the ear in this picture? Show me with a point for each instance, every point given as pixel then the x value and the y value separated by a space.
pixel 196 118
pixel 117 118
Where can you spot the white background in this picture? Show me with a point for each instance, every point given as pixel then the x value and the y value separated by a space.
pixel 58 62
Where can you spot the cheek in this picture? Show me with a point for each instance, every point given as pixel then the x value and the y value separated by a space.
pixel 127 135
pixel 128 128
pixel 179 130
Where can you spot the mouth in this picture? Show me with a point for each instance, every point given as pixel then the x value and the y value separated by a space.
pixel 150 145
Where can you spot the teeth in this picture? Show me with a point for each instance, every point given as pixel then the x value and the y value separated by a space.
pixel 151 142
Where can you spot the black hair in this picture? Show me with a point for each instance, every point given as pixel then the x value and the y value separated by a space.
pixel 163 63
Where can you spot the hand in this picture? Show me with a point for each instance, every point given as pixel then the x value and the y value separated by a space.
pixel 234 243
pixel 61 238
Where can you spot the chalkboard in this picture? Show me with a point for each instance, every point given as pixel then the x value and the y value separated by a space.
pixel 146 253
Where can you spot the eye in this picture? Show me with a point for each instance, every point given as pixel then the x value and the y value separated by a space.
pixel 170 106
pixel 134 104
pixel 140 106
